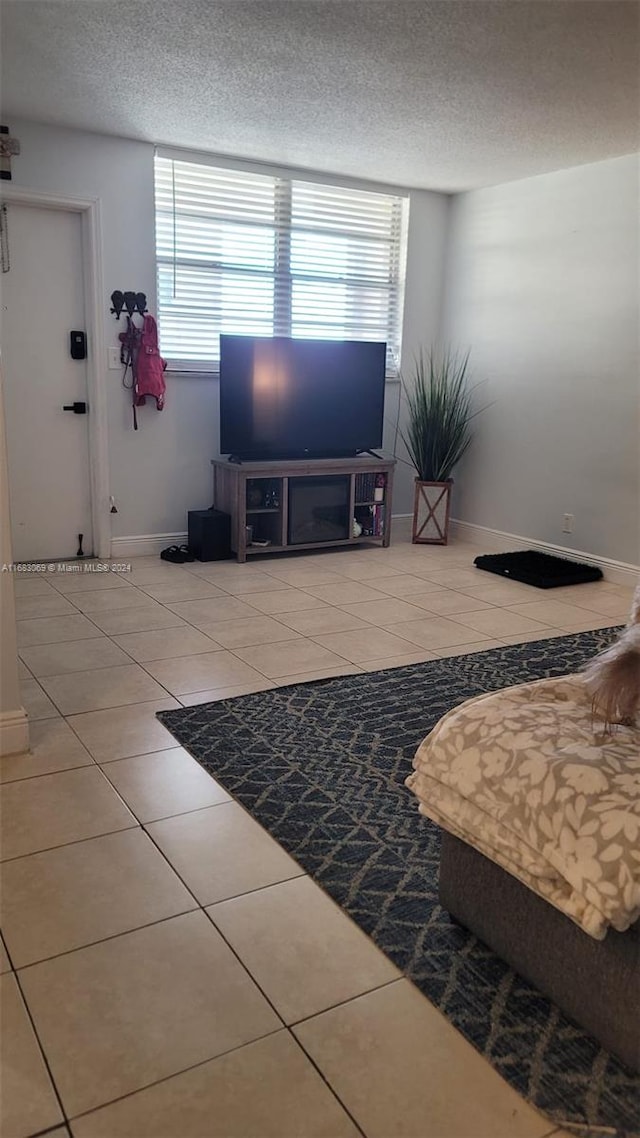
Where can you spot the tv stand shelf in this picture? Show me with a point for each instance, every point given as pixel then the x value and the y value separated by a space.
pixel 306 504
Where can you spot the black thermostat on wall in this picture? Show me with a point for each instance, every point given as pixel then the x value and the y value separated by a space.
pixel 78 345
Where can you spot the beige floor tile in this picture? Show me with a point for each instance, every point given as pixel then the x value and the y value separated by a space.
pixel 299 575
pixel 23 671
pixel 595 591
pixel 205 612
pixel 402 1070
pixel 331 559
pixel 348 593
pixel 410 560
pixel 222 852
pixel 527 637
pixel 163 784
pixel 165 643
pixel 319 674
pixel 76 895
pixel 123 731
pixel 32 586
pixel 607 605
pixel 188 588
pixel 381 663
pixel 466 649
pixel 228 570
pixel 591 622
pixel 101 688
pixel 35 701
pixel 55 630
pixel 287 600
pixel 448 601
pixel 315 622
pixel 364 644
pixel 267 1089
pixel 5 963
pixel 501 591
pixel 363 571
pixel 498 621
pixel 258 582
pixel 214 695
pixel 275 660
pixel 28 1102
pixel 40 813
pixel 407 585
pixel 87 579
pixel 109 600
pixel 145 618
pixel 148 570
pixel 443 562
pixel 203 672
pixel 302 950
pixel 52 747
pixel 53 604
pixel 434 633
pixel 454 578
pixel 73 656
pixel 556 614
pixel 127 1012
pixel 249 630
pixel 391 610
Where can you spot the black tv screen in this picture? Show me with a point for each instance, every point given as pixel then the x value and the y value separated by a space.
pixel 284 398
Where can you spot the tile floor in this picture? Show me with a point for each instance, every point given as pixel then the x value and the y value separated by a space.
pixel 167 970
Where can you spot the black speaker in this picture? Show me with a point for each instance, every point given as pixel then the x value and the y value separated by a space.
pixel 209 534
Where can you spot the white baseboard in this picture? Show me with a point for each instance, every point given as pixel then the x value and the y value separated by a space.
pixel 402 526
pixel 617 571
pixel 14 732
pixel 144 545
pixel 151 544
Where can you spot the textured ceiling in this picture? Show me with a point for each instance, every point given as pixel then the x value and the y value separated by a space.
pixel 446 95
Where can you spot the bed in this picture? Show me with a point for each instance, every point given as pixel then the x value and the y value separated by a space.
pixel 541 851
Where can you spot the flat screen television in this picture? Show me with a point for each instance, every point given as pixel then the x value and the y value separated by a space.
pixel 285 398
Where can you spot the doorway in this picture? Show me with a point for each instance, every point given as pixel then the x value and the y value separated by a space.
pixel 44 299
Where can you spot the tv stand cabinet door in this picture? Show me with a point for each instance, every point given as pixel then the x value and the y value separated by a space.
pixel 230 496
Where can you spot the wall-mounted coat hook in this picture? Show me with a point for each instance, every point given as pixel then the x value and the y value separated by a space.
pixel 130 301
pixel 117 303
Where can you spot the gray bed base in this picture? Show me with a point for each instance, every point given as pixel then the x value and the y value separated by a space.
pixel 596 983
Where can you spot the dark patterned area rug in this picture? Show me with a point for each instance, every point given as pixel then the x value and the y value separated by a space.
pixel 322 767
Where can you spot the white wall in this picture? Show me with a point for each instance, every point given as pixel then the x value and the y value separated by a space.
pixel 162 470
pixel 542 285
pixel 426 259
pixel 14 726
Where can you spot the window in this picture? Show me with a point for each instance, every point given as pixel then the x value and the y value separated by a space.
pixel 258 255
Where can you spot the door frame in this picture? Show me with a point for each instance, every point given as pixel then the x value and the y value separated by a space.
pixel 90 216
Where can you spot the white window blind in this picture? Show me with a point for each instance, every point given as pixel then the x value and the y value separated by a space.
pixel 257 255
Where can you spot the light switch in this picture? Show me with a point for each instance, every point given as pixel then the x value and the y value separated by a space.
pixel 113 357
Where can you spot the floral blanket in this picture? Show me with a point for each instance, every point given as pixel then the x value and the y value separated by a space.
pixel 522 775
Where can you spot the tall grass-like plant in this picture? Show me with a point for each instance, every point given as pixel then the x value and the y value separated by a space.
pixel 440 411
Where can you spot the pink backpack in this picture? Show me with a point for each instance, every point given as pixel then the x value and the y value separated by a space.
pixel 140 352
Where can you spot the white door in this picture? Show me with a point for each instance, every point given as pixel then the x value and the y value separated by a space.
pixel 48 447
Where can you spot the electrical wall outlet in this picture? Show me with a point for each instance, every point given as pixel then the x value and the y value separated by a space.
pixel 113 359
pixel 567 523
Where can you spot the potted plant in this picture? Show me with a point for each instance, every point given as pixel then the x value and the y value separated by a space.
pixel 436 435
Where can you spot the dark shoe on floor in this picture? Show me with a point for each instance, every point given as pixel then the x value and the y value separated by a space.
pixel 175 553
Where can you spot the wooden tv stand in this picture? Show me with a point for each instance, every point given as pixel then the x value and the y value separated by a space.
pixel 284 503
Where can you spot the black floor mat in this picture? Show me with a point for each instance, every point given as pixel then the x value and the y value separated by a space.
pixel 539 569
